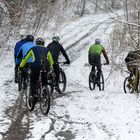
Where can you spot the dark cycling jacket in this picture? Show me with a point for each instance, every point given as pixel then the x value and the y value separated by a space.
pixel 38 53
pixel 132 56
pixel 55 49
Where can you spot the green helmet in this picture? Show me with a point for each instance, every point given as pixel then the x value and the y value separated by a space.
pixel 56 38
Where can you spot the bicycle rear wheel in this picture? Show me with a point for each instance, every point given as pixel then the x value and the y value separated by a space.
pixel 29 99
pixel 45 100
pixel 91 81
pixel 20 81
pixel 101 86
pixel 126 86
pixel 62 81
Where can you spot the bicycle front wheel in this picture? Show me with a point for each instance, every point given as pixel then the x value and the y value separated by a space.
pixel 45 100
pixel 62 81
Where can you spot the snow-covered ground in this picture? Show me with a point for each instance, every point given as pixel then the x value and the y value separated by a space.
pixel 80 114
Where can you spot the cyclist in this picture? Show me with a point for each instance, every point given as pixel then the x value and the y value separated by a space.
pixel 132 59
pixel 42 59
pixel 55 48
pixel 94 57
pixel 16 49
pixel 22 53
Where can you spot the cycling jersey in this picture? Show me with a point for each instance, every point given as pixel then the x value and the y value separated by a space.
pixel 96 49
pixel 55 49
pixel 38 53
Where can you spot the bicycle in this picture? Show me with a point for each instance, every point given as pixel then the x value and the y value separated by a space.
pixel 131 84
pixel 42 94
pixel 93 82
pixel 62 80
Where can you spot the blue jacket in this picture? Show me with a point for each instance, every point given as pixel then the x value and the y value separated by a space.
pixel 17 47
pixel 24 50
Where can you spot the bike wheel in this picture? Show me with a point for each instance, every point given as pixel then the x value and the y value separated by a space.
pixel 91 81
pixel 101 86
pixel 126 87
pixel 29 99
pixel 45 100
pixel 62 81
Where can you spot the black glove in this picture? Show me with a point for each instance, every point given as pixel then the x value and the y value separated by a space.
pixel 67 62
pixel 107 63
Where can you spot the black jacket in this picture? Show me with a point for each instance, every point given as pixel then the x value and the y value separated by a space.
pixel 55 49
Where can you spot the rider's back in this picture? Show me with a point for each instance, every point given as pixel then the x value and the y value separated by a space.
pixel 55 49
pixel 40 59
pixel 96 49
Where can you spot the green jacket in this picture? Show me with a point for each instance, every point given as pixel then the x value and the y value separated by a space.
pixel 96 49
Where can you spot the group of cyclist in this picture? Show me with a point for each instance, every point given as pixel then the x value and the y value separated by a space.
pixel 34 55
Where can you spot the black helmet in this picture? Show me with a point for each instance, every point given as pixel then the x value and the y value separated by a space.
pixel 97 41
pixel 56 38
pixel 30 38
pixel 39 41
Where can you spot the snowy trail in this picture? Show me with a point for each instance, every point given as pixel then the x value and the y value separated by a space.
pixel 79 114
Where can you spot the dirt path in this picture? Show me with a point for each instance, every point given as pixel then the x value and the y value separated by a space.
pixel 18 129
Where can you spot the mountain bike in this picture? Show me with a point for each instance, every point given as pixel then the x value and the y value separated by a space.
pixel 42 94
pixel 131 84
pixel 62 80
pixel 93 82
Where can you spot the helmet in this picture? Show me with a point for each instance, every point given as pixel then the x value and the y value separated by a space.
pixel 39 41
pixel 56 38
pixel 97 41
pixel 29 38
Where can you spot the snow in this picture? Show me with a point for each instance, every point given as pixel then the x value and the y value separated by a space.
pixel 80 114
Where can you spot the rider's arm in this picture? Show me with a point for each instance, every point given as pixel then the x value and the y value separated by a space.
pixel 105 56
pixel 27 57
pixel 64 54
pixel 49 58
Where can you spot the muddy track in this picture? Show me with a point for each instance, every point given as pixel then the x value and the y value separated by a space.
pixel 16 113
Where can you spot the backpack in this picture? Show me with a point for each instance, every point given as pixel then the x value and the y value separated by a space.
pixel 132 56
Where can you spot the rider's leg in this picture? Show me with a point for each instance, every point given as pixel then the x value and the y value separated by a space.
pixel 98 73
pixel 57 72
pixel 16 73
pixel 34 78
